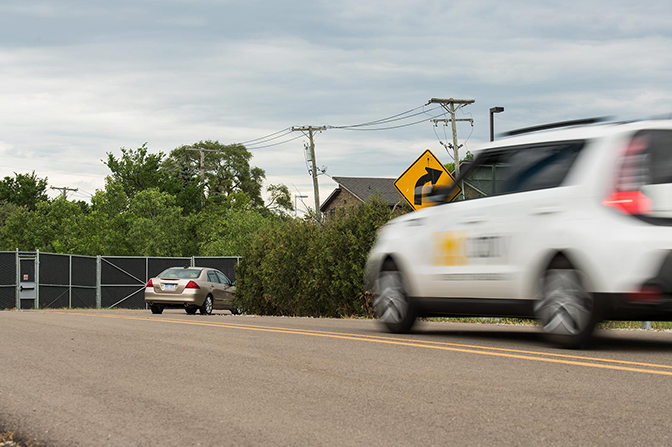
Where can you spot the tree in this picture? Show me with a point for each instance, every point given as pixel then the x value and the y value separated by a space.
pixel 280 199
pixel 226 169
pixel 451 166
pixel 23 190
pixel 137 170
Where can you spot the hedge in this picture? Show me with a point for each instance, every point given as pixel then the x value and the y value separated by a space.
pixel 304 268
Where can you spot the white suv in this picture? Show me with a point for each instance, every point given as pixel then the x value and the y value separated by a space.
pixel 570 226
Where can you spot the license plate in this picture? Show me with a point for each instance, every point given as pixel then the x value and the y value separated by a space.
pixel 168 286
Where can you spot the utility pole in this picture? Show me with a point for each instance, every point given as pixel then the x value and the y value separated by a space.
pixel 316 190
pixel 64 190
pixel 202 151
pixel 452 105
pixel 445 121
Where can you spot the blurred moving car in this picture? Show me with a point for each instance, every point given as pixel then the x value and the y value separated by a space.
pixel 191 288
pixel 569 226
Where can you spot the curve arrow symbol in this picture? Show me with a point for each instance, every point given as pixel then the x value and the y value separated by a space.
pixel 431 176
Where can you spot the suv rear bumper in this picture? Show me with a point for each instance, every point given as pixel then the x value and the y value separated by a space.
pixel 653 302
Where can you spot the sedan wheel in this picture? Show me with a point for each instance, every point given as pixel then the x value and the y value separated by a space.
pixel 206 308
pixel 391 303
pixel 156 308
pixel 566 309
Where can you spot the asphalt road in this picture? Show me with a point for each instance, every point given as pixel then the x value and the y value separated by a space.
pixel 131 378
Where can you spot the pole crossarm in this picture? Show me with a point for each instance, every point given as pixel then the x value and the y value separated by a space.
pixel 308 128
pixel 451 100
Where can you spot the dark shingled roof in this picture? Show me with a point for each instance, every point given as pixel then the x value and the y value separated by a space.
pixel 365 187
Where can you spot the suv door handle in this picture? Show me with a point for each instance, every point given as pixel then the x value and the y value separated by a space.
pixel 473 219
pixel 541 210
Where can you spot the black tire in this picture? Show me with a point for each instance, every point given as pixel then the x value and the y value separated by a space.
pixel 391 303
pixel 156 308
pixel 191 310
pixel 566 310
pixel 206 308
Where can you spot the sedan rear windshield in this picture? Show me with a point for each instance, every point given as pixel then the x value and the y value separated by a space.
pixel 181 273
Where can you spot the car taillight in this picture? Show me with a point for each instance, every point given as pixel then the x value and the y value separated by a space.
pixel 150 283
pixel 192 285
pixel 633 174
pixel 647 294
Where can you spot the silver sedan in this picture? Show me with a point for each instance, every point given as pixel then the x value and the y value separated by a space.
pixel 192 289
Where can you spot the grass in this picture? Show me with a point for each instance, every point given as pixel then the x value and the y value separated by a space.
pixel 9 439
pixel 655 325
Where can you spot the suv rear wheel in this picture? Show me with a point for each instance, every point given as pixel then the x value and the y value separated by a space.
pixel 566 310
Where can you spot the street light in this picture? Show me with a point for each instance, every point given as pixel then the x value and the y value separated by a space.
pixel 298 197
pixel 494 110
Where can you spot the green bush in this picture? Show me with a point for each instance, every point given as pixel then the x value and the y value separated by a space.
pixel 301 268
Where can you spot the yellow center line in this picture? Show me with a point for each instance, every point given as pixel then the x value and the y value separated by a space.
pixel 444 346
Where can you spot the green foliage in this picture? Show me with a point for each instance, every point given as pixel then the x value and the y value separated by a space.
pixel 228 231
pixel 53 226
pixel 226 168
pixel 136 169
pixel 450 167
pixel 280 199
pixel 301 268
pixel 23 190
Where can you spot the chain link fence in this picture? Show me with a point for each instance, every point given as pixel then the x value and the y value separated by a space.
pixel 50 280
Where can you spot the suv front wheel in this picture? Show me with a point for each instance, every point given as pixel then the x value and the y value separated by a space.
pixel 391 302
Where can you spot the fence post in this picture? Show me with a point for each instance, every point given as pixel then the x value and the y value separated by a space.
pixel 18 280
pixel 37 279
pixel 99 275
pixel 70 282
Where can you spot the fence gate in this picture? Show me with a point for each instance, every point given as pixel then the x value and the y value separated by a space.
pixel 28 291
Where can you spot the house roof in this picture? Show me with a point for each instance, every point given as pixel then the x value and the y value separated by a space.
pixel 365 187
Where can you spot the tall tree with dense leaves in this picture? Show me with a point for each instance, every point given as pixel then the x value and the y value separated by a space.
pixel 226 169
pixel 137 169
pixel 23 190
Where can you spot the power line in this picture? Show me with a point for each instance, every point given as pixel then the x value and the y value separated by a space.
pixel 424 120
pixel 274 144
pixel 286 130
pixel 389 119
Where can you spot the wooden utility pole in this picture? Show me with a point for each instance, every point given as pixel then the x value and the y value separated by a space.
pixel 64 190
pixel 445 121
pixel 453 105
pixel 202 151
pixel 316 189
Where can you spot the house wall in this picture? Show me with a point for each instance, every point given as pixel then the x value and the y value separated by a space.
pixel 343 199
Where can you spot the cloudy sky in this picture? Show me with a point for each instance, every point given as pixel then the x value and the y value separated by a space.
pixel 83 78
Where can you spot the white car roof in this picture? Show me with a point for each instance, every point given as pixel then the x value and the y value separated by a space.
pixel 577 133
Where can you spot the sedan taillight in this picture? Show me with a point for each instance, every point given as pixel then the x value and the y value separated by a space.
pixel 150 283
pixel 192 285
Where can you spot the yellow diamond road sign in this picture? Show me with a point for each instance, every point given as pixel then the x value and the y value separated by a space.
pixel 425 172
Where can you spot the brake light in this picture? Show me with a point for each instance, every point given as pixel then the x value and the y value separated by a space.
pixel 150 283
pixel 192 285
pixel 647 294
pixel 627 196
pixel 629 202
